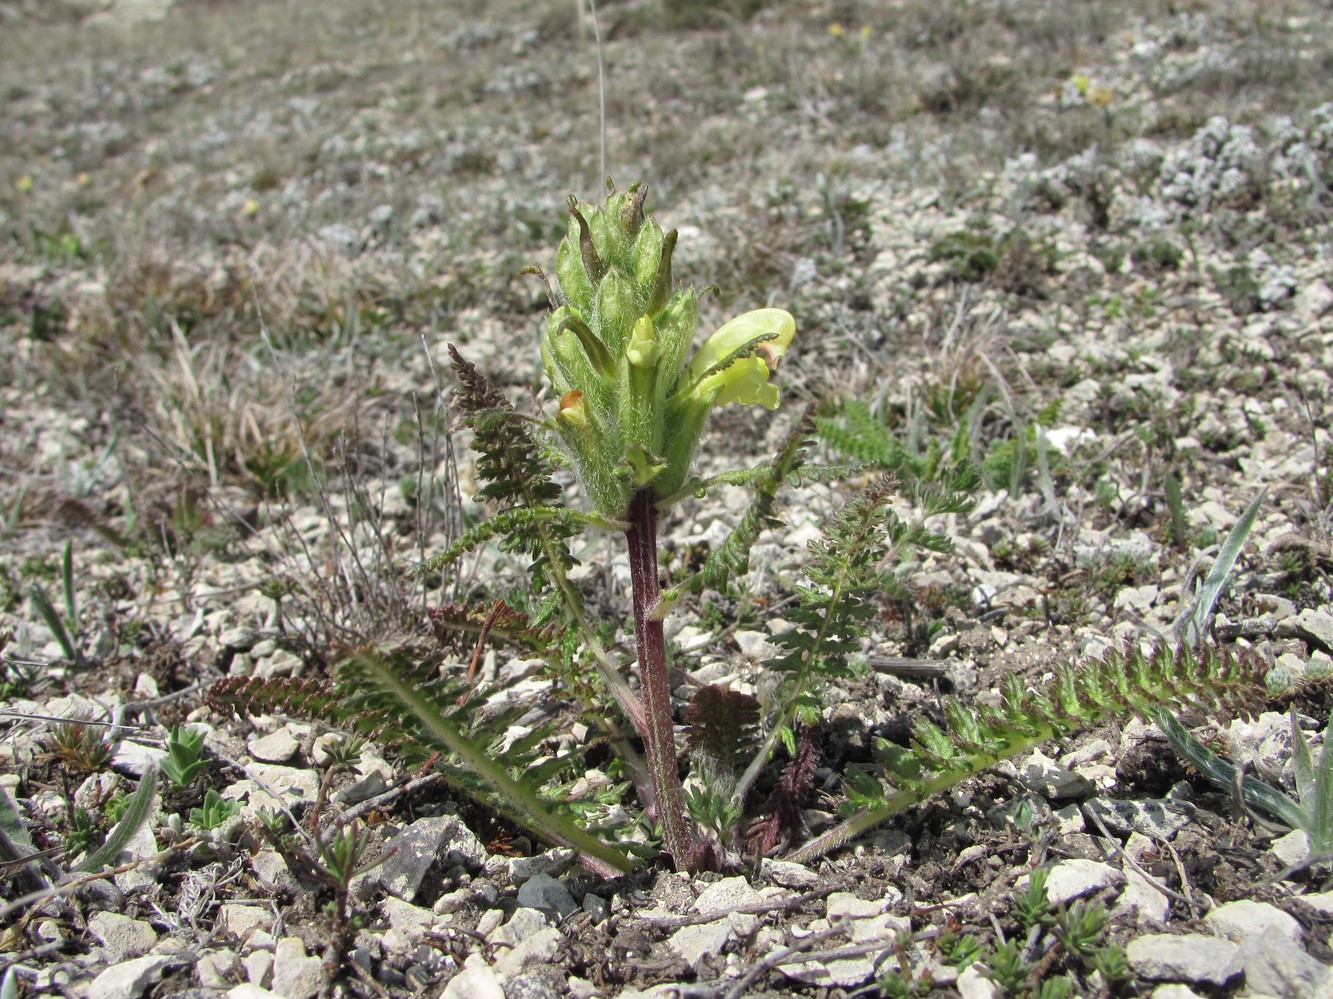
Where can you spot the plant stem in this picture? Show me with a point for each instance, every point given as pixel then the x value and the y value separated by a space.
pixel 659 731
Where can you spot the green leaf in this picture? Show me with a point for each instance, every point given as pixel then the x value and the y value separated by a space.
pixel 136 814
pixel 1191 625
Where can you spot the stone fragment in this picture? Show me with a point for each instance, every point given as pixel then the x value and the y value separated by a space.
pixel 272 869
pixel 695 944
pixel 551 862
pixel 248 991
pixel 128 979
pixel 122 936
pixel 1157 818
pixel 217 969
pixel 1140 897
pixel 539 948
pixel 477 980
pixel 1316 626
pixel 296 976
pixel 1041 774
pixel 521 925
pixel 1192 957
pixel 1071 879
pixel 258 966
pixel 1243 919
pixel 1277 965
pixel 726 898
pixel 790 875
pixel 531 986
pixel 242 920
pixel 276 747
pixel 544 892
pixel 439 841
pixel 408 919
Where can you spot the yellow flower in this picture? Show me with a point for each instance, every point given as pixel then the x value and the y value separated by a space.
pixel 769 333
pixel 835 29
pixel 24 184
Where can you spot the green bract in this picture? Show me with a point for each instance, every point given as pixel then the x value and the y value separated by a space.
pixel 631 409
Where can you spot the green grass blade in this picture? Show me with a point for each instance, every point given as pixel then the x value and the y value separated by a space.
pixel 1321 809
pixel 51 617
pixel 136 814
pixel 67 579
pixel 1191 626
pixel 1255 792
pixel 1303 763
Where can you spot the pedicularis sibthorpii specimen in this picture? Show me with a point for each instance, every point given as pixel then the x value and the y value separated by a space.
pixel 633 404
pixel 632 399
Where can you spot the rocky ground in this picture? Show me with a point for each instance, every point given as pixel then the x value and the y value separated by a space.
pixel 1089 246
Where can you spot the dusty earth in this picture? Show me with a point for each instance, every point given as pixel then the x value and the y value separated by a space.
pixel 1086 247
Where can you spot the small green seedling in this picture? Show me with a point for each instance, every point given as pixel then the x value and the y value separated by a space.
pixel 216 811
pixel 184 760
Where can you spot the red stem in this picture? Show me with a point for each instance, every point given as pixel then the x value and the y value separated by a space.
pixel 659 730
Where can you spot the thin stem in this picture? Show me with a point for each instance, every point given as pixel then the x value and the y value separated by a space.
pixel 659 732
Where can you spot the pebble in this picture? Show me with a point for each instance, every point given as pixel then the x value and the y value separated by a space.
pixel 128 979
pixel 441 841
pixel 276 747
pixel 544 892
pixel 1071 879
pixel 1191 957
pixel 296 975
pixel 122 936
pixel 477 980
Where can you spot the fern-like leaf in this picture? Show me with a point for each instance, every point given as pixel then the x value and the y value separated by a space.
pixel 1131 681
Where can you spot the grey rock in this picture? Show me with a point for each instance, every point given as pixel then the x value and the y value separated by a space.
pixel 1277 965
pixel 441 841
pixel 249 991
pixel 1071 879
pixel 122 936
pixel 521 925
pixel 1240 920
pixel 1052 781
pixel 696 944
pixel 271 869
pixel 539 948
pixel 476 981
pixel 1160 818
pixel 790 875
pixel 1316 626
pixel 1174 992
pixel 972 984
pixel 1140 897
pixel 530 987
pixel 135 759
pixel 217 969
pixel 128 979
pixel 726 898
pixel 408 919
pixel 544 892
pixel 342 238
pixel 296 975
pixel 551 862
pixel 276 747
pixel 1192 957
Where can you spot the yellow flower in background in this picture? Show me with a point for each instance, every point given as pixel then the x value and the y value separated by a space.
pixel 24 184
pixel 836 30
pixel 251 208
